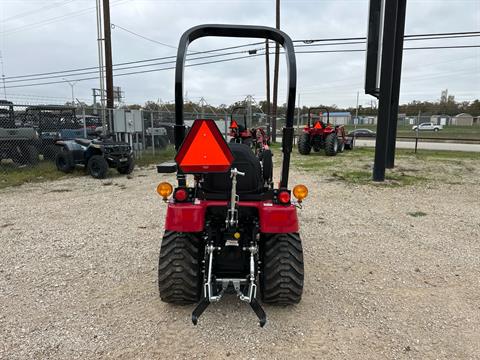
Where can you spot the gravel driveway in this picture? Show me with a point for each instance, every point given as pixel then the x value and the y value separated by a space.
pixel 391 272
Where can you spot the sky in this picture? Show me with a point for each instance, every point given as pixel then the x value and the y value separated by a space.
pixel 40 36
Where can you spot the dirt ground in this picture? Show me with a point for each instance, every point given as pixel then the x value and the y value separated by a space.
pixel 391 273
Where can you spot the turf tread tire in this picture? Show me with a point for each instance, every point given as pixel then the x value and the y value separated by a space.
pixel 304 147
pixel 281 278
pixel 179 265
pixel 330 148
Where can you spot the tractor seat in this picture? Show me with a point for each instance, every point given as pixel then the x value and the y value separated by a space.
pixel 245 161
pixel 84 142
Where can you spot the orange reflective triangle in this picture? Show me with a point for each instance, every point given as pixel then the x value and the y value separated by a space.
pixel 317 125
pixel 233 125
pixel 204 150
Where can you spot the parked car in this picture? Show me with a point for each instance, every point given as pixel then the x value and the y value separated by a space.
pixel 427 127
pixel 362 133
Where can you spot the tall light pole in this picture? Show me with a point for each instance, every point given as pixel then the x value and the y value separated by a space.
pixel 72 84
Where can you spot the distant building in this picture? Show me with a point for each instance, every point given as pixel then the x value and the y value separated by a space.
pixel 462 119
pixel 440 119
pixel 339 118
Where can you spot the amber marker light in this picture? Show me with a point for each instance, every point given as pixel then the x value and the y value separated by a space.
pixel 164 189
pixel 300 192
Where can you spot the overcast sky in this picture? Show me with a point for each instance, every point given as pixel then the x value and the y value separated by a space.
pixel 38 36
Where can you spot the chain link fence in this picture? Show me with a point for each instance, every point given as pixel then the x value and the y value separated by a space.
pixel 28 133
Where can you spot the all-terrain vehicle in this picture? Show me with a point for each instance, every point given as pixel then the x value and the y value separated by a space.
pixel 321 135
pixel 16 143
pixel 97 155
pixel 226 232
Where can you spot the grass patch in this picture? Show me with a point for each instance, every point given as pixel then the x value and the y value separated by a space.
pixel 11 175
pixel 354 177
pixel 417 214
pixel 364 177
pixel 160 156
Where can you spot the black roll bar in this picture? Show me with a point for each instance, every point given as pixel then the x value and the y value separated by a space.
pixel 246 32
pixel 324 109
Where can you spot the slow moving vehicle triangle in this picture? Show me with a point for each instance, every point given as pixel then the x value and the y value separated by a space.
pixel 204 149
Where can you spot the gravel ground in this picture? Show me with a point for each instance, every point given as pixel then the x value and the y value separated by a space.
pixel 78 266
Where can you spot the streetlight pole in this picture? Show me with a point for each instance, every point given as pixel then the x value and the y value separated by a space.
pixel 72 84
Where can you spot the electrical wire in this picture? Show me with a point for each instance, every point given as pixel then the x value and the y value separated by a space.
pixel 311 43
pixel 209 62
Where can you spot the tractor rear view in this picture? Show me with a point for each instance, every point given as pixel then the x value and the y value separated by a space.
pixel 321 135
pixel 229 231
pixel 256 139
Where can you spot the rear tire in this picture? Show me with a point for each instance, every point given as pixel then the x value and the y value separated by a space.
pixel 64 161
pixel 179 271
pixel 97 167
pixel 304 146
pixel 331 144
pixel 281 276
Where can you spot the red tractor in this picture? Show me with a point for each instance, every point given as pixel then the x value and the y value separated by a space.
pixel 225 231
pixel 256 138
pixel 321 135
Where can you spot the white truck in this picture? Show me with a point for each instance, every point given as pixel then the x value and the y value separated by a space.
pixel 427 127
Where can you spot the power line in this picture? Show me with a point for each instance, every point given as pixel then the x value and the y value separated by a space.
pixel 310 43
pixel 55 19
pixel 36 77
pixel 114 26
pixel 239 58
pixel 127 67
pixel 36 11
pixel 131 62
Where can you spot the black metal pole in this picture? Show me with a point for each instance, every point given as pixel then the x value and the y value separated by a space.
pixel 108 53
pixel 397 75
pixel 385 97
pixel 267 81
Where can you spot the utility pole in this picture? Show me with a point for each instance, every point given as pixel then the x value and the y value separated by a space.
pixel 267 80
pixel 108 53
pixel 275 75
pixel 100 63
pixel 249 111
pixel 72 84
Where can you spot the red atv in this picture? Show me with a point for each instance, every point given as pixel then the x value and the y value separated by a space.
pixel 226 232
pixel 257 139
pixel 323 136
